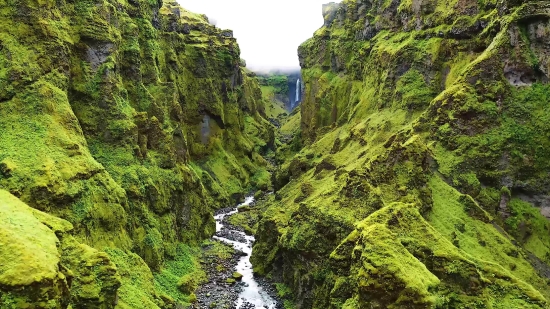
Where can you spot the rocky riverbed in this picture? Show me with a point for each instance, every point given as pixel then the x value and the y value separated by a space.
pixel 231 283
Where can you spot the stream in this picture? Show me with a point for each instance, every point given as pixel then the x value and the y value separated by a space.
pixel 252 294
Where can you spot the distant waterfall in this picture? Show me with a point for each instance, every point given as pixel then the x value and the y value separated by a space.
pixel 298 88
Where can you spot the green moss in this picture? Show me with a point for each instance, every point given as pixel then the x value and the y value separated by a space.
pixel 528 226
pixel 418 110
pixel 277 83
pixel 292 124
pixel 384 258
pixel 29 248
pixel 387 269
pixel 180 277
pixel 45 267
pixel 188 284
pixel 230 281
pixel 274 107
pixel 262 180
pixel 137 289
pixel 248 220
pixel 477 238
pixel 96 279
pixel 285 293
pixel 413 91
pixel 107 134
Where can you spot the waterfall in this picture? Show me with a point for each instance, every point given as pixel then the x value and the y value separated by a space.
pixel 298 88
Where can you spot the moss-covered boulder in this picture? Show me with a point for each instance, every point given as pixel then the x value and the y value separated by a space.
pixel 43 266
pixel 396 259
pixel 237 276
pixel 29 272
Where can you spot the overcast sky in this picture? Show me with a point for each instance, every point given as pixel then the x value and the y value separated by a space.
pixel 268 31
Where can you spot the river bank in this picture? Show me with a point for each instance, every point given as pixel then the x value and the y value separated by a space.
pixel 231 283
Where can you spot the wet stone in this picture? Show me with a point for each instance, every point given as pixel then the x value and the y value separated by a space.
pixel 230 280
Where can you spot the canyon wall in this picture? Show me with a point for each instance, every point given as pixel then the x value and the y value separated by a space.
pixel 423 182
pixel 123 126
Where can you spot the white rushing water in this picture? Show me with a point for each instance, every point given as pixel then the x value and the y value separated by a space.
pixel 298 88
pixel 252 291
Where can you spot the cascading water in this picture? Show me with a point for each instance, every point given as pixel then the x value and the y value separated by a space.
pixel 298 88
pixel 252 294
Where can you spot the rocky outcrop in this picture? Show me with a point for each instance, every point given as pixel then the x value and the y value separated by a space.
pixel 330 13
pixel 43 266
pixel 431 115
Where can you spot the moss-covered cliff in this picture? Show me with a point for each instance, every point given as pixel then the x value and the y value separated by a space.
pixel 282 85
pixel 132 120
pixel 424 179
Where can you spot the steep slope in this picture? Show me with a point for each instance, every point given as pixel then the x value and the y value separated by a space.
pixel 275 94
pixel 133 120
pixel 424 179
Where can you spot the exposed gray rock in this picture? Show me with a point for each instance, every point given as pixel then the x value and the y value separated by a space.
pixel 539 200
pixel 367 33
pixel 539 31
pixel 330 11
pixel 205 129
pixel 156 21
pixel 227 33
pixel 185 29
pixel 176 11
pixel 98 53
pixel 536 40
pixel 518 76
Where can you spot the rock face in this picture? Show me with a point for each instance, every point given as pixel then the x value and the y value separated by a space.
pixel 432 117
pixel 101 118
pixel 330 13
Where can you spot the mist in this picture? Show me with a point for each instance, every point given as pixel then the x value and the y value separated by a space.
pixel 268 32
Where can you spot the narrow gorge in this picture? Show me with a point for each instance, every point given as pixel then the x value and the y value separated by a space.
pixel 144 165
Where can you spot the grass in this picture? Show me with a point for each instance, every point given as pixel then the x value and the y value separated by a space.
pixel 274 107
pixel 292 124
pixel 530 228
pixel 137 290
pixel 478 239
pixel 185 263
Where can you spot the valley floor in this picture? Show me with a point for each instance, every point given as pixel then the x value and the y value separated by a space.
pixel 230 282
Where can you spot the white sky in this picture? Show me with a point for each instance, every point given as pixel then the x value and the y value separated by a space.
pixel 268 31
